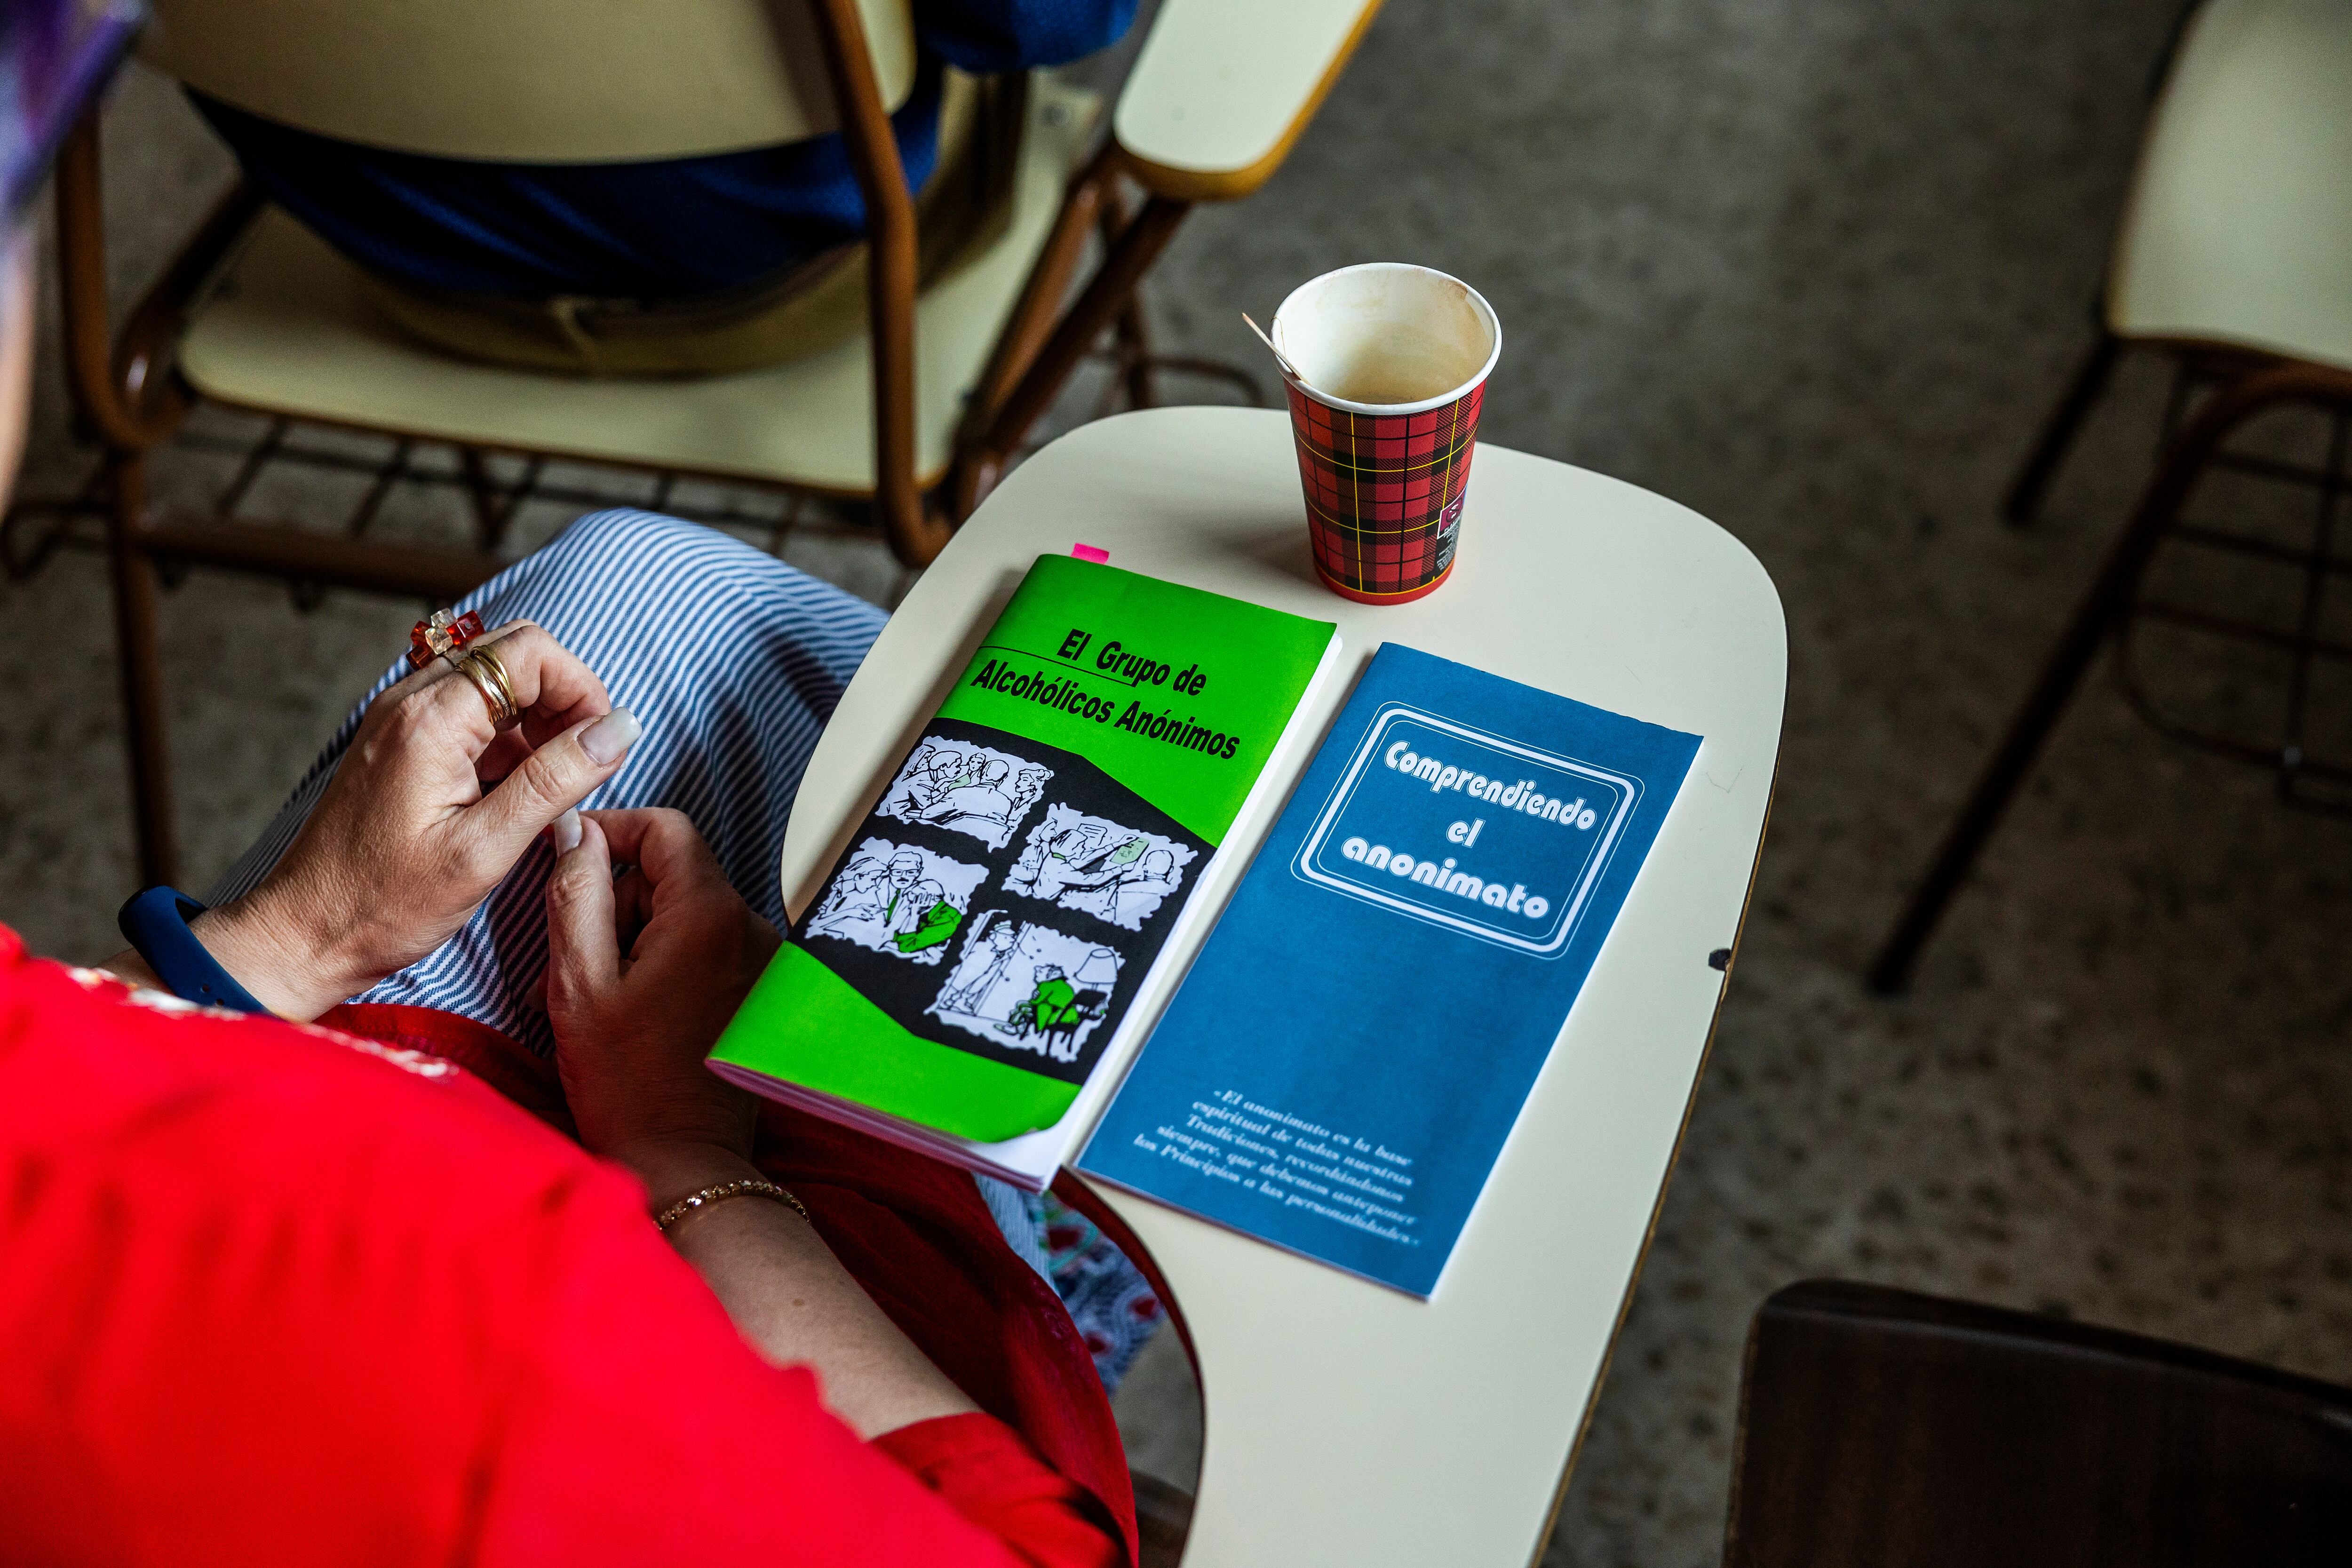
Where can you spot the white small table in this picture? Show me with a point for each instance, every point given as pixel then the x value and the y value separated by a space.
pixel 1345 1423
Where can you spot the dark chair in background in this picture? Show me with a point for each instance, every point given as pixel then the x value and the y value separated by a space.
pixel 2235 258
pixel 1881 1428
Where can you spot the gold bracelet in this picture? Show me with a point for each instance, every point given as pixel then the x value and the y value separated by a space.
pixel 749 1187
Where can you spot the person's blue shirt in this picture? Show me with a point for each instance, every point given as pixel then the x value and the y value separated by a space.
pixel 666 229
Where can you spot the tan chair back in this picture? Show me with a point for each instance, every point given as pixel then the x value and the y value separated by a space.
pixel 527 80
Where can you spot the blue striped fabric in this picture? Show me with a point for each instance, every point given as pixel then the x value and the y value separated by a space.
pixel 732 661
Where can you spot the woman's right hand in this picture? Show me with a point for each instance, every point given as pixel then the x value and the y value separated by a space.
pixel 642 975
pixel 429 808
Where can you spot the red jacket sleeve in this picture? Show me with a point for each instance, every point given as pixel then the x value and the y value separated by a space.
pixel 274 1296
pixel 749 1461
pixel 984 1470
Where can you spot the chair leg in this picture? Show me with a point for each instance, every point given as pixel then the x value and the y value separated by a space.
pixel 2095 616
pixel 1032 317
pixel 482 490
pixel 1109 292
pixel 139 657
pixel 1134 332
pixel 2024 498
pixel 1135 353
pixel 976 472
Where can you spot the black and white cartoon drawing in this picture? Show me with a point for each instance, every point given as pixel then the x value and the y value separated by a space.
pixel 901 899
pixel 1091 863
pixel 966 787
pixel 1028 986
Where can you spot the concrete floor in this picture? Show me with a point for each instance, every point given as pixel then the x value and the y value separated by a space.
pixel 1815 270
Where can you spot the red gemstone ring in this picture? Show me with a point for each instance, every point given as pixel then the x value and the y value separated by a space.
pixel 441 637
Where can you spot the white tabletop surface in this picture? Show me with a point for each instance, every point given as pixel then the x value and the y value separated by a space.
pixel 1345 1423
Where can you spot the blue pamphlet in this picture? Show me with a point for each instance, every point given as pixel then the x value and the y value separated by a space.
pixel 1339 1070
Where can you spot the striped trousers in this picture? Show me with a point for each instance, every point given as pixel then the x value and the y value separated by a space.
pixel 732 661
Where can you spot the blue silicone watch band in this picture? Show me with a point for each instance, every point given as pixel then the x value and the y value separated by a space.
pixel 155 922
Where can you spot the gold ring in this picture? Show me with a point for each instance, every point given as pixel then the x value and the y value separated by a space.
pixel 489 678
pixel 497 668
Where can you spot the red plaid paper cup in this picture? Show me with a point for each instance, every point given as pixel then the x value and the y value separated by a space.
pixel 1384 470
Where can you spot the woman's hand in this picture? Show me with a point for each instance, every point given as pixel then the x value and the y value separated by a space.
pixel 429 810
pixel 642 975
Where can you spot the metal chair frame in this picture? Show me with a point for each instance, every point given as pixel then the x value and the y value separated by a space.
pixel 130 400
pixel 2244 385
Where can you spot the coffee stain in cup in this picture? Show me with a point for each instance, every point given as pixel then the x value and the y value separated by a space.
pixel 1400 365
pixel 1381 336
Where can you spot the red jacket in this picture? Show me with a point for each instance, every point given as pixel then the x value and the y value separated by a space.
pixel 276 1293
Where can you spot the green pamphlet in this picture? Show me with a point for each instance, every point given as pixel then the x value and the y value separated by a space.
pixel 971 966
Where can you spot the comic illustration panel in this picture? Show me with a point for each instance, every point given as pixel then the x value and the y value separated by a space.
pixel 1029 987
pixel 965 787
pixel 899 900
pixel 1094 865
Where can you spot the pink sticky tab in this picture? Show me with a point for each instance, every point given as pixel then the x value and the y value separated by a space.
pixel 1092 553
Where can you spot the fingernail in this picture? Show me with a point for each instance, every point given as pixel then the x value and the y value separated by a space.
pixel 567 832
pixel 609 738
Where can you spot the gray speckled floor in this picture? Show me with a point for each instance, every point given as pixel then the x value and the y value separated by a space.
pixel 1816 271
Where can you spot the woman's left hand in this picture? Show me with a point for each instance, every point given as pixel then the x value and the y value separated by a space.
pixel 642 975
pixel 429 808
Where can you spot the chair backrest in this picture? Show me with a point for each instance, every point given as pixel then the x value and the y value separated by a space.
pixel 1880 1426
pixel 527 80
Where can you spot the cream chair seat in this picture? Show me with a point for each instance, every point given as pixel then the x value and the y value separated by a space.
pixel 287 328
pixel 2239 230
pixel 919 415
